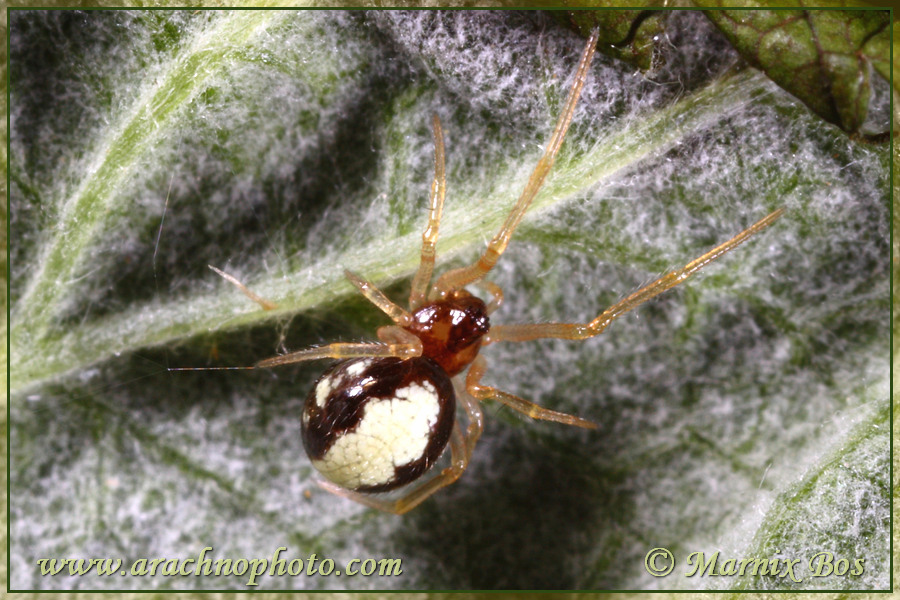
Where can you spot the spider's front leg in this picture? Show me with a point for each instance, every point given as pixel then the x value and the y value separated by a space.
pixel 422 278
pixel 394 342
pixel 582 331
pixel 455 279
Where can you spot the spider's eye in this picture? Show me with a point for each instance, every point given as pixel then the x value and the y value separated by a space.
pixel 377 424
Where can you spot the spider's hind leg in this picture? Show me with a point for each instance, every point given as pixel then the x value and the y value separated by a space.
pixel 529 409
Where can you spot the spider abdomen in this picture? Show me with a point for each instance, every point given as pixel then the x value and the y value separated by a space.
pixel 375 424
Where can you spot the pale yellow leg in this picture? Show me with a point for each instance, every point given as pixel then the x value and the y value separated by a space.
pixel 472 406
pixel 496 293
pixel 265 304
pixel 529 409
pixel 422 278
pixel 459 278
pixel 377 297
pixel 397 342
pixel 580 331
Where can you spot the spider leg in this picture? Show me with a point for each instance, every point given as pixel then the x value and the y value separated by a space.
pixel 581 331
pixel 377 297
pixel 474 414
pixel 395 342
pixel 265 304
pixel 529 409
pixel 458 278
pixel 461 447
pixel 496 293
pixel 429 237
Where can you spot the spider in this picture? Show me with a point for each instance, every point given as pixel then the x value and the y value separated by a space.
pixel 380 418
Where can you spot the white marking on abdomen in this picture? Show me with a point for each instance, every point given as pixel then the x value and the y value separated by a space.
pixel 392 432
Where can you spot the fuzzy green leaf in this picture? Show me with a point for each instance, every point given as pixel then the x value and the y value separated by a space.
pixel 824 57
pixel 635 36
